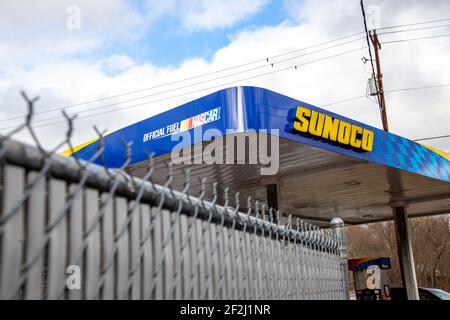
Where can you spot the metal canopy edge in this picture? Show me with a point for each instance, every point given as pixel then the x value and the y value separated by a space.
pixel 321 179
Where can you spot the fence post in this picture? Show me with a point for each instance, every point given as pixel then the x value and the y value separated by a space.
pixel 337 225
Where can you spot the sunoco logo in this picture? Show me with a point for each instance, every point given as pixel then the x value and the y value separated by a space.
pixel 312 124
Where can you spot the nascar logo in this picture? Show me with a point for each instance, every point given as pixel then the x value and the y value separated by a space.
pixel 184 125
pixel 200 119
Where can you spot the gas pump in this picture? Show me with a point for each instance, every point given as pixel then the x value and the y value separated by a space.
pixel 371 278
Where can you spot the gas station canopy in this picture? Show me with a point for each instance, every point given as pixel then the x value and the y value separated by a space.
pixel 329 165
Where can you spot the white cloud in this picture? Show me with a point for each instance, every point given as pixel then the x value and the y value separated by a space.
pixel 35 32
pixel 117 63
pixel 157 9
pixel 414 114
pixel 212 14
pixel 195 15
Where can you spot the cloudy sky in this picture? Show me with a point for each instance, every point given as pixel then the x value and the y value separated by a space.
pixel 122 53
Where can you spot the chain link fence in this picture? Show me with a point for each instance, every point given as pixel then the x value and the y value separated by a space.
pixel 70 229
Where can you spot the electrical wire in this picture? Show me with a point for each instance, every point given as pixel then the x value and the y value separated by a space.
pixel 413 24
pixel 213 87
pixel 344 100
pixel 414 39
pixel 195 84
pixel 243 71
pixel 419 88
pixel 415 29
pixel 267 60
pixel 370 50
pixel 388 91
pixel 200 90
pixel 433 138
pixel 229 68
pixel 249 78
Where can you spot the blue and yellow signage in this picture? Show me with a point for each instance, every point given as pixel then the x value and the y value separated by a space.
pixel 323 126
pixel 250 108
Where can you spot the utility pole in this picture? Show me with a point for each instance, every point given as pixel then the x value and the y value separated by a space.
pixel 379 80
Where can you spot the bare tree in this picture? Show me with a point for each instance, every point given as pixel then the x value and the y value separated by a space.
pixel 430 242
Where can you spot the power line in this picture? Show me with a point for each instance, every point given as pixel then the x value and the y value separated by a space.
pixel 414 39
pixel 217 71
pixel 344 100
pixel 415 29
pixel 211 87
pixel 433 138
pixel 195 84
pixel 413 24
pixel 388 91
pixel 228 83
pixel 368 46
pixel 214 72
pixel 419 88
pixel 197 91
pixel 378 78
pixel 200 90
pixel 267 60
pixel 217 86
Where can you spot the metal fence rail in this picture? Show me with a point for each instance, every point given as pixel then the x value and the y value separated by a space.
pixel 133 239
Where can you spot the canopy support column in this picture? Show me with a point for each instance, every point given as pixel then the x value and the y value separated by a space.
pixel 337 226
pixel 405 253
pixel 273 195
pixel 272 191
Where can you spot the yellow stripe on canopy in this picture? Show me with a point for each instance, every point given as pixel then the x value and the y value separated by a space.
pixel 440 152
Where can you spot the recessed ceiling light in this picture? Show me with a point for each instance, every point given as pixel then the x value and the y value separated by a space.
pixel 395 191
pixel 353 183
pixel 302 205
